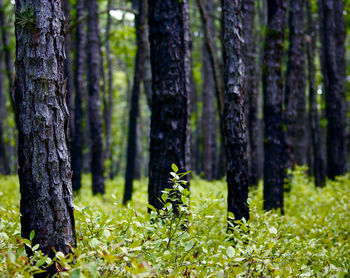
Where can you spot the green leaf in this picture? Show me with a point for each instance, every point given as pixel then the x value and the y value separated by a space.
pixel 189 245
pixel 164 197
pixel 75 273
pixel 31 235
pixel 174 167
pixel 230 251
pixel 273 230
pixel 40 262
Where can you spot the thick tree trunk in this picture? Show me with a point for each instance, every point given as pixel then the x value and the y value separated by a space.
pixel 251 90
pixel 334 61
pixel 134 106
pixel 169 35
pixel 77 143
pixel 318 159
pixel 295 84
pixel 209 114
pixel 234 118
pixel 43 155
pixel 68 73
pixel 95 113
pixel 7 54
pixel 4 163
pixel 274 171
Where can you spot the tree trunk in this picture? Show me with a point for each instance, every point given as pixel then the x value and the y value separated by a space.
pixel 77 143
pixel 7 55
pixel 251 90
pixel 318 159
pixel 43 138
pixel 209 114
pixel 334 61
pixel 95 113
pixel 134 106
pixel 295 85
pixel 169 35
pixel 274 171
pixel 234 118
pixel 68 73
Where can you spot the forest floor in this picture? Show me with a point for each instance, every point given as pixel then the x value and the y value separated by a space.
pixel 312 239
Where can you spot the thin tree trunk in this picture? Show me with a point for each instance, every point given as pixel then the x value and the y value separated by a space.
pixel 318 159
pixel 209 114
pixel 77 143
pixel 95 113
pixel 251 90
pixel 134 106
pixel 171 73
pixel 234 118
pixel 68 73
pixel 7 55
pixel 43 136
pixel 196 135
pixel 337 163
pixel 274 171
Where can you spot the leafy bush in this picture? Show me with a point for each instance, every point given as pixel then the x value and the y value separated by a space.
pixel 310 240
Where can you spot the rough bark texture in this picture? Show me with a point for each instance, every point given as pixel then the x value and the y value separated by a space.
pixel 4 163
pixel 251 90
pixel 77 142
pixel 294 80
pixel 44 163
pixel 7 54
pixel 140 21
pixel 169 35
pixel 335 90
pixel 234 120
pixel 209 114
pixel 95 112
pixel 274 171
pixel 68 73
pixel 318 159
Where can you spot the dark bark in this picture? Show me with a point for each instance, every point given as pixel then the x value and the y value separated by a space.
pixel 251 90
pixel 7 55
pixel 209 114
pixel 77 142
pixel 95 113
pixel 68 73
pixel 318 159
pixel 169 35
pixel 147 70
pixel 4 163
pixel 108 105
pixel 335 90
pixel 43 137
pixel 234 118
pixel 295 84
pixel 274 171
pixel 134 106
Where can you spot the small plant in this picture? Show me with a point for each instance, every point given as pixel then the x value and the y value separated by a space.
pixel 26 18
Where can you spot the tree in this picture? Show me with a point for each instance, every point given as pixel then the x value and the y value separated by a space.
pixel 318 161
pixel 333 66
pixel 43 155
pixel 134 107
pixel 77 142
pixel 274 171
pixel 95 113
pixel 234 120
pixel 295 84
pixel 251 90
pixel 169 36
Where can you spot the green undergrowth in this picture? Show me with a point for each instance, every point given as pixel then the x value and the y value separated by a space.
pixel 310 240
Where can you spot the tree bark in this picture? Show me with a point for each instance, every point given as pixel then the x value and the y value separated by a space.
pixel 7 55
pixel 134 106
pixel 169 35
pixel 79 83
pixel 209 114
pixel 318 159
pixel 43 155
pixel 334 59
pixel 234 118
pixel 274 171
pixel 95 113
pixel 251 90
